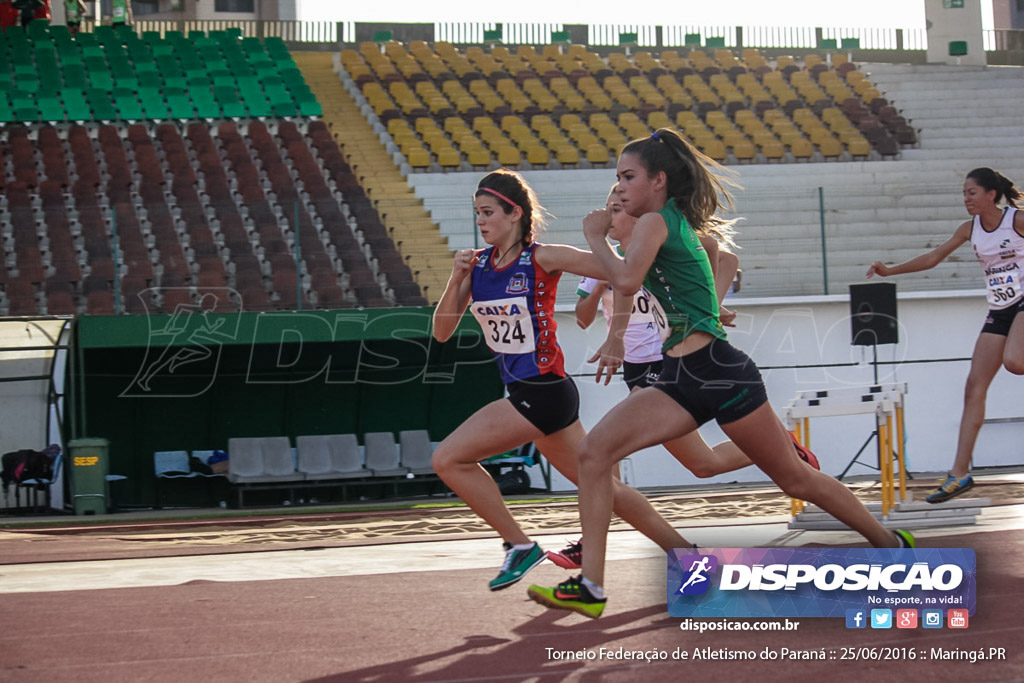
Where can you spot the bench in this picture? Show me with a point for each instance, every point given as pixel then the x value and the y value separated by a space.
pixel 321 461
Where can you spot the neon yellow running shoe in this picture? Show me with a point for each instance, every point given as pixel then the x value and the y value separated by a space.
pixel 571 595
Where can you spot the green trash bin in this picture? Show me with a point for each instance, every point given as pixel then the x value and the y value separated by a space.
pixel 88 465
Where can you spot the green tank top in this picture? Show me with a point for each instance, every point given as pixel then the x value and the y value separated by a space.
pixel 71 10
pixel 682 281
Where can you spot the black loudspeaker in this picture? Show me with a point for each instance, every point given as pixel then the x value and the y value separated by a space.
pixel 873 314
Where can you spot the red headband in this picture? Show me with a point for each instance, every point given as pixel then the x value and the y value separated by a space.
pixel 501 196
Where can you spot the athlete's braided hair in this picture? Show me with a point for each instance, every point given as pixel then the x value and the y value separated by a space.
pixel 994 180
pixel 511 190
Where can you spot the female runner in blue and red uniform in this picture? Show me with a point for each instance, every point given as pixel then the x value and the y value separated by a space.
pixel 512 286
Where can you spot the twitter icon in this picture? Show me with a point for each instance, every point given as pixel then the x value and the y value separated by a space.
pixel 881 618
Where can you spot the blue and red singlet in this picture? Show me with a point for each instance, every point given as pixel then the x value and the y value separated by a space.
pixel 515 307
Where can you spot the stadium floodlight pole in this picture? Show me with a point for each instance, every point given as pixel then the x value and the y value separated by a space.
pixel 824 253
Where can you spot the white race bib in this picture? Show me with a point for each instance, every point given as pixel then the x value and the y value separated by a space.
pixel 506 324
pixel 647 308
pixel 1003 289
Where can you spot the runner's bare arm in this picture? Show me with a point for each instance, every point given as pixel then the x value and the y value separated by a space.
pixel 456 296
pixel 928 260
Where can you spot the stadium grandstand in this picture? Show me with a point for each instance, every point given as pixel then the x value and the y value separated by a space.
pixel 288 167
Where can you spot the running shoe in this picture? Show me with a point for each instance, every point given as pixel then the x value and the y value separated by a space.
pixel 569 558
pixel 571 595
pixel 906 538
pixel 517 563
pixel 950 488
pixel 804 453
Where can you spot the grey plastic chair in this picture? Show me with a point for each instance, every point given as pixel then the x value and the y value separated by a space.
pixel 382 456
pixel 416 450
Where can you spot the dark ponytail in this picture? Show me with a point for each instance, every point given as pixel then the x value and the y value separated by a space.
pixel 994 180
pixel 698 183
pixel 511 190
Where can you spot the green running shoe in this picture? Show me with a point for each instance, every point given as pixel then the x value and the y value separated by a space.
pixel 950 488
pixel 571 595
pixel 906 538
pixel 517 563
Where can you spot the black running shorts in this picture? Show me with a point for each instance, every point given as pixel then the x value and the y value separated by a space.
pixel 641 374
pixel 717 382
pixel 551 403
pixel 999 321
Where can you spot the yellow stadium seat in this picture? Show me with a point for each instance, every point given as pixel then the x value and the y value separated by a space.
pixel 568 155
pixel 801 148
pixel 448 158
pixel 508 156
pixel 715 149
pixel 773 149
pixel 597 154
pixel 538 155
pixel 830 148
pixel 418 158
pixel 744 151
pixel 859 148
pixel 659 119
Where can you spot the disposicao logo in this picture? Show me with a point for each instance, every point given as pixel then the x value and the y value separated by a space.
pixel 818 582
pixel 697 580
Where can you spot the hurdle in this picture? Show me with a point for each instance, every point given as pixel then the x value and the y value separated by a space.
pixel 887 403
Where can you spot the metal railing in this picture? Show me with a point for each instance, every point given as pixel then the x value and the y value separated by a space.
pixel 313 32
pixel 648 36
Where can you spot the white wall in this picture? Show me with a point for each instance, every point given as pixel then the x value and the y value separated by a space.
pixel 937 335
pixel 944 25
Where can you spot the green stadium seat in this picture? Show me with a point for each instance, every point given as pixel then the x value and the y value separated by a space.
pixel 560 37
pixel 207 109
pixel 850 43
pixel 692 40
pixel 382 36
pixel 155 109
pixel 27 83
pixel 258 108
pixel 181 108
pixel 6 115
pixel 101 79
pixel 147 71
pixel 234 110
pixel 128 109
pixel 236 34
pixel 50 109
pixel 285 109
pixel 627 39
pixel 163 50
pixel 310 108
pixel 828 44
pixel 26 114
pixel 714 41
pixel 493 35
pixel 151 36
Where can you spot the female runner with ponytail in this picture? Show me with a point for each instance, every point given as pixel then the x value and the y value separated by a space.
pixel 997 236
pixel 669 185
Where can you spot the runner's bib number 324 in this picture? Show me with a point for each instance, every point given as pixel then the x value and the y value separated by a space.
pixel 506 324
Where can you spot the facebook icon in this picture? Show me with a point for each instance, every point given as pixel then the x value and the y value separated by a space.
pixel 856 618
